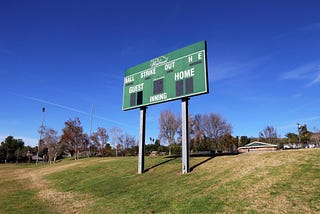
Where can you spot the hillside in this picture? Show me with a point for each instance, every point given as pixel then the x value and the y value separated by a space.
pixel 282 181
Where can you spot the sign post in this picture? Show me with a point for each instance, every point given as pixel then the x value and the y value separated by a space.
pixel 177 75
pixel 185 136
pixel 142 137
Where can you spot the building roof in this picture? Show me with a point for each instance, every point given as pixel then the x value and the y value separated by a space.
pixel 257 144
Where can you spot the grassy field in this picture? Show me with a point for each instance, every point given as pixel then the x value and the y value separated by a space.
pixel 269 182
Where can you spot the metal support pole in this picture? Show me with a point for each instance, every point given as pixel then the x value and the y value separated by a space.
pixel 42 123
pixel 142 135
pixel 90 130
pixel 185 137
pixel 299 133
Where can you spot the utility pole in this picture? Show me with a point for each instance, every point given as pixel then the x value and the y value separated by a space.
pixel 90 127
pixel 42 123
pixel 299 132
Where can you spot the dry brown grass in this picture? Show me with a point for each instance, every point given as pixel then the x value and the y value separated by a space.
pixel 63 202
pixel 257 179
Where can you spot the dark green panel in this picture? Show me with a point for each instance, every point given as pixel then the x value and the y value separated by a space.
pixel 140 98
pixel 158 86
pixel 133 99
pixel 179 88
pixel 158 80
pixel 189 85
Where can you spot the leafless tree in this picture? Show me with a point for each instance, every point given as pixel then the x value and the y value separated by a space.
pixel 214 127
pixel 116 136
pixel 168 125
pixel 269 134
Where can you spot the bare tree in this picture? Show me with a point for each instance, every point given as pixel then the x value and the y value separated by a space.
pixel 168 125
pixel 269 134
pixel 214 127
pixel 116 136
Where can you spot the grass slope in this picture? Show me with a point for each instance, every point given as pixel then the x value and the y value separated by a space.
pixel 17 194
pixel 270 182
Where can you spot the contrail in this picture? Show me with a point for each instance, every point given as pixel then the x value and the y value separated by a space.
pixel 67 108
pixel 54 104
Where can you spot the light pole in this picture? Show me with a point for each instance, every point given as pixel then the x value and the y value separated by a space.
pixel 43 110
pixel 299 132
pixel 90 129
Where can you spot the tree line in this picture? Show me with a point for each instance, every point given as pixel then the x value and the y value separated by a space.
pixel 13 150
pixel 213 133
pixel 73 142
pixel 208 132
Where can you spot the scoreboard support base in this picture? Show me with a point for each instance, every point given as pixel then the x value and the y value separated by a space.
pixel 142 136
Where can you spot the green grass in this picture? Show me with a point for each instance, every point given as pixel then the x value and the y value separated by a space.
pixel 270 182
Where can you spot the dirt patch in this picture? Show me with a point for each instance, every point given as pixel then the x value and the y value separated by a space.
pixel 64 202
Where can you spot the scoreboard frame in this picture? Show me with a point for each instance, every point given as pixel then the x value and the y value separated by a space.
pixel 176 75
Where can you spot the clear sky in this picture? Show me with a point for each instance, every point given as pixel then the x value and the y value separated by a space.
pixel 263 61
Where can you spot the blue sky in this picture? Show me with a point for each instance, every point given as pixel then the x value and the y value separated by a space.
pixel 263 61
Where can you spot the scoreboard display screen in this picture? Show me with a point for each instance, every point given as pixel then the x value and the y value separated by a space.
pixel 181 73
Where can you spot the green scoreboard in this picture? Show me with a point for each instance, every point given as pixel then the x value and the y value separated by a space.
pixel 178 74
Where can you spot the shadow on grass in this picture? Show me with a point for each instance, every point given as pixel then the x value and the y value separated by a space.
pixel 171 158
pixel 202 162
pixel 210 157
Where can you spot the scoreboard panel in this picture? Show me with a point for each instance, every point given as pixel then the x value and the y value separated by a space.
pixel 181 73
